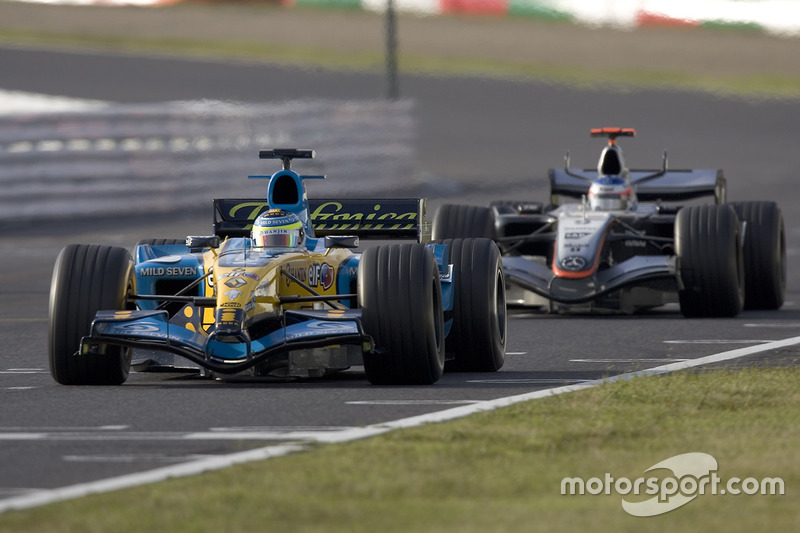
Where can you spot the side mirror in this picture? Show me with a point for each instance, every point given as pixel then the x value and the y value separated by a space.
pixel 197 243
pixel 345 241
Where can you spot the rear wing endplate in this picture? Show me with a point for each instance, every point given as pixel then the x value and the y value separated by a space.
pixel 382 218
pixel 650 185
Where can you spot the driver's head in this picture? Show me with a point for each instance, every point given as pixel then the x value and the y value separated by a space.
pixel 278 228
pixel 610 194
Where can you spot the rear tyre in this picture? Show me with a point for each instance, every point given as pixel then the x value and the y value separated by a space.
pixel 159 242
pixel 764 254
pixel 453 221
pixel 86 279
pixel 710 260
pixel 477 338
pixel 401 299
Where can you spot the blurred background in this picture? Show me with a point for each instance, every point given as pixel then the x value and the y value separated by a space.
pixel 146 106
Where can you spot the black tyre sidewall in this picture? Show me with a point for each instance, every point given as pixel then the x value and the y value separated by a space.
pixel 160 242
pixel 764 254
pixel 401 299
pixel 710 260
pixel 477 337
pixel 86 279
pixel 453 221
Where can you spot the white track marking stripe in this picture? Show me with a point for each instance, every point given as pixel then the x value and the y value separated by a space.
pixel 717 341
pixel 45 497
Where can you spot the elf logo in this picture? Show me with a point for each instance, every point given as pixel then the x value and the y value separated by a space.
pixel 321 275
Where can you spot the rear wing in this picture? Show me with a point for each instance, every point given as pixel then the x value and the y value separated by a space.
pixel 382 218
pixel 650 185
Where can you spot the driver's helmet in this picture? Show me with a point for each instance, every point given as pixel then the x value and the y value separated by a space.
pixel 610 193
pixel 278 228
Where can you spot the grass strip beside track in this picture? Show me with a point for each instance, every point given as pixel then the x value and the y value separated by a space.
pixel 498 471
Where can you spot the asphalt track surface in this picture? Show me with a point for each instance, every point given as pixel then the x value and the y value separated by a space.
pixel 479 139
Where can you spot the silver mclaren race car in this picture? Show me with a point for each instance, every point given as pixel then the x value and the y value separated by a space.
pixel 622 240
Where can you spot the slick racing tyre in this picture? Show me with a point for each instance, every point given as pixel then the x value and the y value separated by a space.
pixel 400 295
pixel 477 338
pixel 86 279
pixel 452 221
pixel 159 242
pixel 764 254
pixel 710 260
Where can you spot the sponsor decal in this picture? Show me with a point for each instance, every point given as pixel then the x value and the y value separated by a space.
pixel 168 271
pixel 321 275
pixel 327 273
pixel 138 327
pixel 235 283
pixel 232 294
pixel 576 248
pixel 574 263
pixel 365 215
pixel 314 328
pixel 577 234
pixel 254 207
pixel 227 316
pixel 238 272
pixel 299 272
pixel 331 215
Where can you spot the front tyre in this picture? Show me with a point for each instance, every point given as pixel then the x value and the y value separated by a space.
pixel 764 254
pixel 710 260
pixel 400 295
pixel 477 338
pixel 86 279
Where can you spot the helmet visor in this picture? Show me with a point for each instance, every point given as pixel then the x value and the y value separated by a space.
pixel 277 238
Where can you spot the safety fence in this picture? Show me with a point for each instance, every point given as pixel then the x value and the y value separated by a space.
pixel 121 159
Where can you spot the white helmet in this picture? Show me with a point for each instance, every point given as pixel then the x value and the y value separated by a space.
pixel 610 193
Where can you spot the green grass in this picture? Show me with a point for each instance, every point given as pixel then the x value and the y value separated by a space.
pixel 777 85
pixel 496 471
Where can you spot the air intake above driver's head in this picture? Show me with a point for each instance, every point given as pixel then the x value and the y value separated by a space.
pixel 610 162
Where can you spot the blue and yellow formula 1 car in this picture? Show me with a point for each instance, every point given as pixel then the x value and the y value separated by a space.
pixel 279 291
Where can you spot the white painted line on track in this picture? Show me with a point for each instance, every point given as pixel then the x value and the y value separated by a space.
pixel 278 429
pixel 638 360
pixel 44 429
pixel 45 497
pixel 412 402
pixel 133 458
pixel 718 341
pixel 526 381
pixel 773 325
